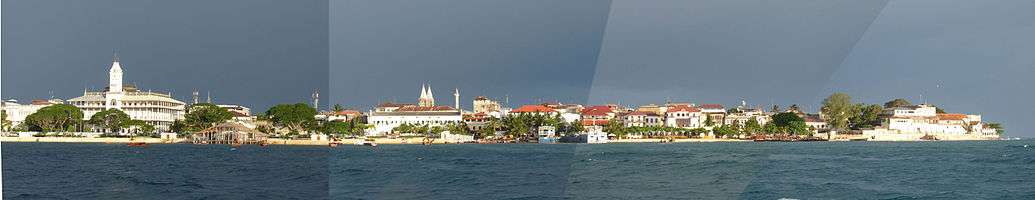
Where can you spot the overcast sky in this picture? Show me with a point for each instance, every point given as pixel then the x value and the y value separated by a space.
pixel 966 56
pixel 250 52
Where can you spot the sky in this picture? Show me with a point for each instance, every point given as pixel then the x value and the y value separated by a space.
pixel 250 52
pixel 965 56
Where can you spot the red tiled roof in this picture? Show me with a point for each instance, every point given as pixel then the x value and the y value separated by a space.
pixel 40 102
pixel 590 122
pixel 475 116
pixel 532 109
pixel 346 112
pixel 390 104
pixel 711 106
pixel 643 113
pixel 424 108
pixel 952 116
pixel 597 111
pixel 683 109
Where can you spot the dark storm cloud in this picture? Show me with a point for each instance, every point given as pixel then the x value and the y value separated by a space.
pixel 965 56
pixel 719 51
pixel 530 50
pixel 254 53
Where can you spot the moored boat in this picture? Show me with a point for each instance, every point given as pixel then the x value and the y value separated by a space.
pixel 137 144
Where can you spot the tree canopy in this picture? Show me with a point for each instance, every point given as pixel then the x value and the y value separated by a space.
pixel 6 124
pixel 58 117
pixel 295 117
pixel 897 103
pixel 724 131
pixel 342 128
pixel 785 119
pixel 998 127
pixel 110 120
pixel 204 115
pixel 865 116
pixel 838 108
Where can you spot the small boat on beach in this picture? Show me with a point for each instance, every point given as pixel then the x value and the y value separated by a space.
pixel 137 144
pixel 367 142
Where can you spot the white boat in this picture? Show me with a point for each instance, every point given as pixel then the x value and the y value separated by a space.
pixel 367 142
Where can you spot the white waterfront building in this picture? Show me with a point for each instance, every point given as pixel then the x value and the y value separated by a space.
pixel 157 109
pixel 16 112
pixel 387 116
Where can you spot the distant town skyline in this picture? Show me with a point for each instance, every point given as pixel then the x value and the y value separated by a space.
pixel 964 56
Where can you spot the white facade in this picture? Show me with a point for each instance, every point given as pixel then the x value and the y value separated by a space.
pixel 684 117
pixel 157 109
pixel 16 113
pixel 386 117
pixel 384 122
pixel 923 119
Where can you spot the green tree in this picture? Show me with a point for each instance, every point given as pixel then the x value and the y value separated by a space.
pixel 335 128
pixel 724 131
pixel 838 108
pixel 58 117
pixel 794 108
pixel 6 124
pixel 997 126
pixel 570 129
pixel 771 128
pixel 868 116
pixel 696 132
pixel 492 125
pixel 337 108
pixel 785 119
pixel 204 115
pixel 458 128
pixel 897 103
pixel 295 117
pixel 798 128
pixel 178 127
pixel 138 127
pixel 752 127
pixel 110 120
pixel 614 126
pixel 708 121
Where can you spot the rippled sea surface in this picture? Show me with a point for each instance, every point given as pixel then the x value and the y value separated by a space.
pixel 740 170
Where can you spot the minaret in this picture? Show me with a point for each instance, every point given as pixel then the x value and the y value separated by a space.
pixel 316 99
pixel 456 98
pixel 194 96
pixel 209 100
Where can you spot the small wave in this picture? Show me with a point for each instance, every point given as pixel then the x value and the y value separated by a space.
pixel 37 196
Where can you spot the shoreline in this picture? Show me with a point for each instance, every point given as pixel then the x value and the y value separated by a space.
pixel 400 141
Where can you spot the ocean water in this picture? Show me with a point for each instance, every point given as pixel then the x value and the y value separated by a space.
pixel 743 170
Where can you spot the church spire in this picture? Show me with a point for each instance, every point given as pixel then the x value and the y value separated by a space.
pixel 427 99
